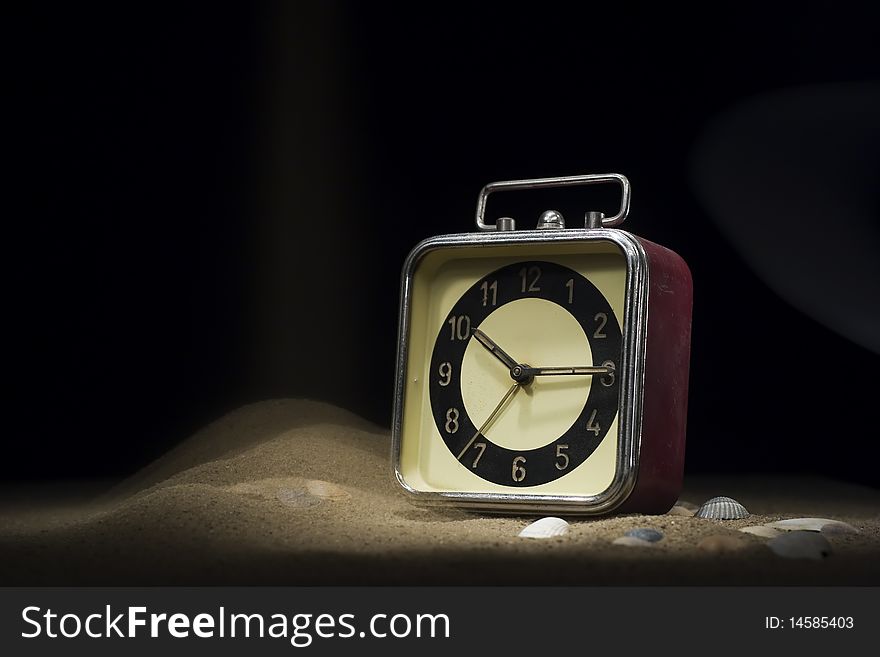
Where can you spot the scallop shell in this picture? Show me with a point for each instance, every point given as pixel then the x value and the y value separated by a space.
pixel 721 508
pixel 549 527
pixel 800 545
pixel 823 525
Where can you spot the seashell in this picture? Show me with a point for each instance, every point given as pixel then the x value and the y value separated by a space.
pixel 632 541
pixel 800 545
pixel 721 508
pixel 823 525
pixel 326 491
pixel 292 491
pixel 309 493
pixel 297 498
pixel 761 530
pixel 719 543
pixel 549 527
pixel 678 510
pixel 645 534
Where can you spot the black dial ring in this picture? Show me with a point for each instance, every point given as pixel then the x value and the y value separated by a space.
pixel 578 296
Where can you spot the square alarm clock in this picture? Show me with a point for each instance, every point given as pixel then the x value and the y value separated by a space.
pixel 543 370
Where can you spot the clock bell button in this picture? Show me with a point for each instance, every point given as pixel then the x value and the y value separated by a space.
pixel 594 219
pixel 550 219
pixel 505 224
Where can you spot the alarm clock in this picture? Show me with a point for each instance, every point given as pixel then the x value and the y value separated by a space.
pixel 545 368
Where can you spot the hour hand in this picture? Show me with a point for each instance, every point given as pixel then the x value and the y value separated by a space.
pixel 497 351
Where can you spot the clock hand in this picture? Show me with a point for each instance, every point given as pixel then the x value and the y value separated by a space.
pixel 521 371
pixel 497 351
pixel 489 419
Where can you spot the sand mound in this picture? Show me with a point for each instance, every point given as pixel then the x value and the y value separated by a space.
pixel 300 492
pixel 240 430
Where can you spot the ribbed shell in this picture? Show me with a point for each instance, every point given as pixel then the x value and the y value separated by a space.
pixel 721 508
pixel 545 528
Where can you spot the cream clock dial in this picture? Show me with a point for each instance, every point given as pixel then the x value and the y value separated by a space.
pixel 514 364
pixel 523 386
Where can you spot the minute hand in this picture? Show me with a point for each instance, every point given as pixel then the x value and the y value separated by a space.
pixel 566 371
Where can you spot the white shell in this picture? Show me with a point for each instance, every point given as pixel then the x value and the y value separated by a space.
pixel 632 541
pixel 545 528
pixel 814 525
pixel 761 530
pixel 800 545
pixel 721 508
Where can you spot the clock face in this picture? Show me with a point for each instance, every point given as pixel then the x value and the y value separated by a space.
pixel 514 370
pixel 540 310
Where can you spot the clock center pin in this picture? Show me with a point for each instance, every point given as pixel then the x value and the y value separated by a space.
pixel 521 374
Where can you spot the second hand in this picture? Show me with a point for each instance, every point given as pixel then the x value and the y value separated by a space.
pixel 491 417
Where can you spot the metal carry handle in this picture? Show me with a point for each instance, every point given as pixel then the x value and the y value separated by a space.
pixel 562 181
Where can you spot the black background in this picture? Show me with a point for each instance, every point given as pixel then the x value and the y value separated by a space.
pixel 210 205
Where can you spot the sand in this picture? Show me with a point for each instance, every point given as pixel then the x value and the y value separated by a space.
pixel 300 492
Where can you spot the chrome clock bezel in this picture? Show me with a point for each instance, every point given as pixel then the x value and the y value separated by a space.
pixel 631 370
